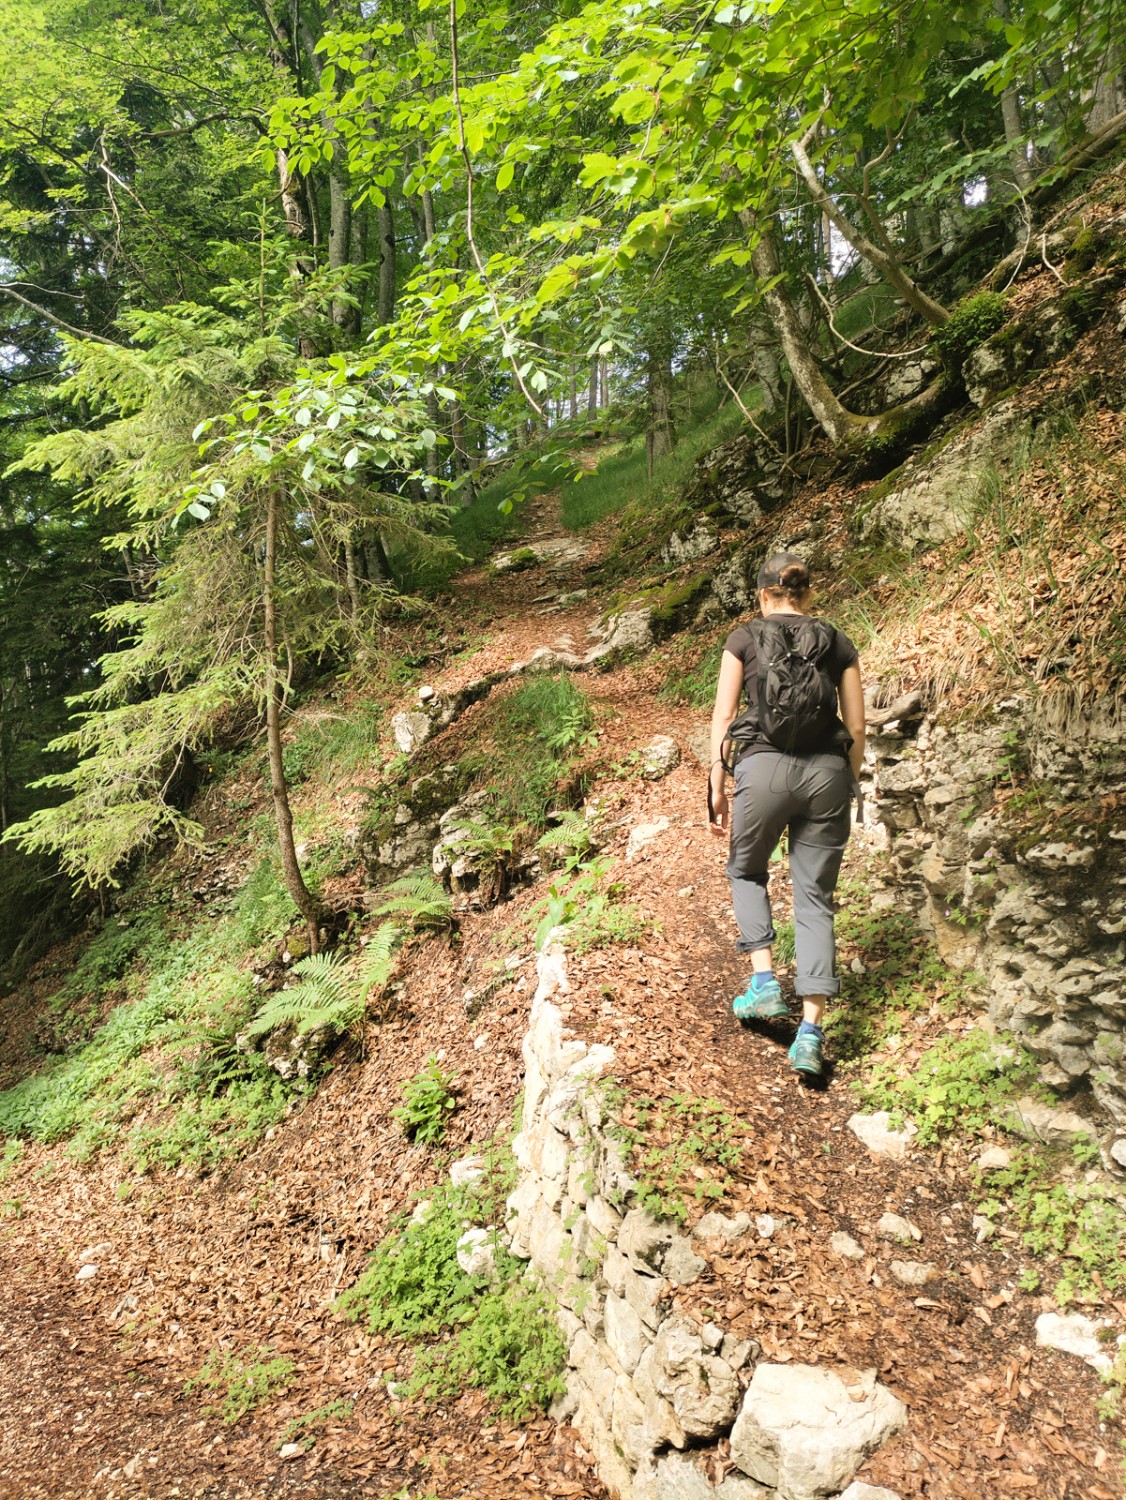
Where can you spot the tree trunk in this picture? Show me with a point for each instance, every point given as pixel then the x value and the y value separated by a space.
pixel 386 309
pixel 764 357
pixel 275 700
pixel 844 429
pixel 592 391
pixel 660 436
pixel 881 256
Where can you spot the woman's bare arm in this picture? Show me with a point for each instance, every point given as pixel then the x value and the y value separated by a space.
pixel 851 694
pixel 729 690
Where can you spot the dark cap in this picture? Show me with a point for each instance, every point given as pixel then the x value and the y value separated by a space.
pixel 770 574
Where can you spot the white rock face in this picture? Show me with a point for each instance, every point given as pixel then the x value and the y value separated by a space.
pixel 715 1226
pixel 876 1133
pixel 699 1386
pixel 643 835
pixel 858 1490
pixel 1052 1124
pixel 680 1478
pixel 994 1159
pixel 805 1432
pixel 477 1254
pixel 631 630
pixel 1072 1333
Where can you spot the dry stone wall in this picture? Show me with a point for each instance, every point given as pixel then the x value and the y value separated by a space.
pixel 652 1392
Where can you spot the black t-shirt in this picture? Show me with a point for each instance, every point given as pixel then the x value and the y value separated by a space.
pixel 842 654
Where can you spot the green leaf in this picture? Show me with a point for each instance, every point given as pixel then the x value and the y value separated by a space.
pixel 505 175
pixel 351 458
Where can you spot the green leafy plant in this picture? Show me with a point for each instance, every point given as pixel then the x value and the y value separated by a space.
pixel 428 1100
pixel 589 910
pixel 574 835
pixel 243 1381
pixel 304 1429
pixel 418 899
pixel 327 996
pixel 971 322
pixel 501 1333
pixel 683 1148
pixel 961 1083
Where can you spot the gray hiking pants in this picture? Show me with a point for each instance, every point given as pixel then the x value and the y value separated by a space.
pixel 809 795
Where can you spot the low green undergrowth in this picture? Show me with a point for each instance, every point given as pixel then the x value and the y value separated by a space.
pixel 428 1100
pixel 693 681
pixel 305 1429
pixel 1075 1228
pixel 588 910
pixel 682 1149
pixel 496 1333
pixel 241 1382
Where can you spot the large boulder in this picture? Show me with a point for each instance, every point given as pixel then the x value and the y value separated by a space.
pixel 805 1431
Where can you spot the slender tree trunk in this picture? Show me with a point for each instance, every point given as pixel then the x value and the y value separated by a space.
pixel 660 436
pixel 386 264
pixel 462 465
pixel 764 357
pixel 592 391
pixel 275 699
pixel 604 367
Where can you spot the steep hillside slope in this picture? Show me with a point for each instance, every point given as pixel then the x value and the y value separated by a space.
pixel 183 1204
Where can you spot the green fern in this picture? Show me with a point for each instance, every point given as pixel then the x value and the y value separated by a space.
pixel 324 997
pixel 379 959
pixel 573 834
pixel 420 899
pixel 492 841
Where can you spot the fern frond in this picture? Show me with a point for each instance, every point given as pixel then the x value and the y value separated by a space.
pixel 379 958
pixel 324 997
pixel 420 898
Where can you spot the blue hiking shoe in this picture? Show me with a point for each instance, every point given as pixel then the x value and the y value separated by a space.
pixel 761 1004
pixel 805 1054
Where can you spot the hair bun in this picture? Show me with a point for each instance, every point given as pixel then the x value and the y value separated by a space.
pixel 794 577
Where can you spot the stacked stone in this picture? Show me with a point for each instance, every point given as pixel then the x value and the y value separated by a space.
pixel 652 1392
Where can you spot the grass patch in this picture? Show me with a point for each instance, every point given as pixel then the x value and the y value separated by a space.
pixel 622 476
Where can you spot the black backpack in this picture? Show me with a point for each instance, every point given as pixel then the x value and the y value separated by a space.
pixel 796 707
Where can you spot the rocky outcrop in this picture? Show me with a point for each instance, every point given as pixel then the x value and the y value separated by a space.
pixel 1013 832
pixel 655 1392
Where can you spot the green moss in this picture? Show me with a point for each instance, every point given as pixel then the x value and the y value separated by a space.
pixel 1085 250
pixel 973 320
pixel 522 559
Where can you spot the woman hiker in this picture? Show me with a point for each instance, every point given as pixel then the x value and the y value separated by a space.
pixel 798 749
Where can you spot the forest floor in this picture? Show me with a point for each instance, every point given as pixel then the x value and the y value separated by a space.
pixel 92 1370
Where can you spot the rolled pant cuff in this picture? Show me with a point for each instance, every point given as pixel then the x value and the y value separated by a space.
pixel 749 945
pixel 830 988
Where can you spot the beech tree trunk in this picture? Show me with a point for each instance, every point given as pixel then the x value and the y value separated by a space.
pixel 275 701
pixel 660 436
pixel 386 306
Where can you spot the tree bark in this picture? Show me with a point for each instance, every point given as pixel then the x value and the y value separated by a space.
pixel 660 435
pixel 386 306
pixel 592 391
pixel 882 256
pixel 764 357
pixel 275 701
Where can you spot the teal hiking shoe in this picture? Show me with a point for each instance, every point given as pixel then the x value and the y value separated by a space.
pixel 805 1054
pixel 765 1004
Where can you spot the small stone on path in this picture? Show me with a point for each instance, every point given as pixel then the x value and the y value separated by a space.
pixel 858 1490
pixel 984 1228
pixel 87 1273
pixel 913 1272
pixel 716 1226
pixel 643 835
pixel 876 1133
pixel 994 1159
pixel 660 756
pixel 1074 1333
pixel 896 1227
pixel 845 1246
pixel 467 1169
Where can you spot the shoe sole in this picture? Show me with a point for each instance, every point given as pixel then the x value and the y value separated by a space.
pixel 776 1011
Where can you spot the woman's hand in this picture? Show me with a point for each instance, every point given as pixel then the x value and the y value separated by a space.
pixel 720 820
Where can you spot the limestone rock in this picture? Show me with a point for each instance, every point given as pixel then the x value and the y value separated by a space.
pixel 660 756
pixel 629 630
pixel 1074 1333
pixel 700 1387
pixel 643 835
pixel 466 1170
pixel 654 1247
pixel 95 1253
pixel 411 729
pixel 679 1477
pixel 476 1253
pixel 690 543
pixel 625 1335
pixel 1052 1124
pixel 913 1272
pixel 844 1245
pixel 994 1159
pixel 806 1432
pixel 715 1226
pixel 87 1272
pixel 858 1490
pixel 876 1133
pixel 898 1229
